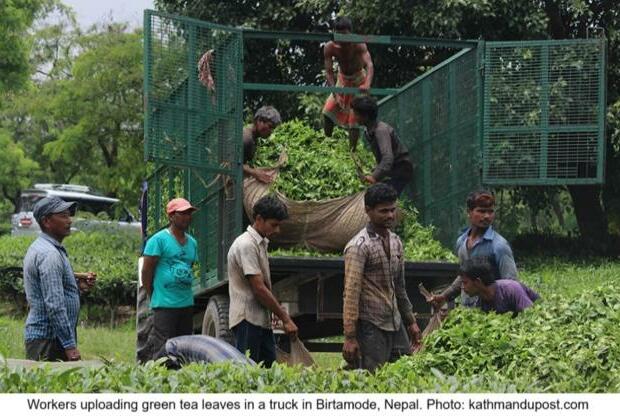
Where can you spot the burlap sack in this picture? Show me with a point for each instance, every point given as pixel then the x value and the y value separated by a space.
pixel 325 225
pixel 299 355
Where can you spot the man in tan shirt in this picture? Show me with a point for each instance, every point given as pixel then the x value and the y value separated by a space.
pixel 375 300
pixel 249 285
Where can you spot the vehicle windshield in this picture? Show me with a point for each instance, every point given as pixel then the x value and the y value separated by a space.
pixel 27 201
pixel 88 208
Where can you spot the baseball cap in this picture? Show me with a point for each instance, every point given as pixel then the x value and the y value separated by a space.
pixel 179 204
pixel 52 205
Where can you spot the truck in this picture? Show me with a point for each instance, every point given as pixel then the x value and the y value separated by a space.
pixel 501 113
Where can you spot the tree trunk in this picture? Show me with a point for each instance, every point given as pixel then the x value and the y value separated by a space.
pixel 591 216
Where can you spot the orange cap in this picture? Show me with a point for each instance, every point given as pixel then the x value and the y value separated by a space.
pixel 179 204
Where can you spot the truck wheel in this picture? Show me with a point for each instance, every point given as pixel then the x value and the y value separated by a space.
pixel 215 322
pixel 144 324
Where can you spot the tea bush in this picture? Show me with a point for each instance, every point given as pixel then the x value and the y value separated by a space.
pixel 563 344
pixel 112 256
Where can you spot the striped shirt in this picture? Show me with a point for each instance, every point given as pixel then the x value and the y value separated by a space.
pixel 374 283
pixel 52 293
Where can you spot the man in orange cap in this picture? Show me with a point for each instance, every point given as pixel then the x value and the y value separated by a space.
pixel 167 276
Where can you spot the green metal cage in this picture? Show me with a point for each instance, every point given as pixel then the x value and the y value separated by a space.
pixel 492 114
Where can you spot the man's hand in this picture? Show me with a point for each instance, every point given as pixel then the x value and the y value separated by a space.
pixel 291 329
pixel 72 354
pixel 369 179
pixel 264 176
pixel 437 301
pixel 351 350
pixel 365 87
pixel 210 84
pixel 86 281
pixel 414 334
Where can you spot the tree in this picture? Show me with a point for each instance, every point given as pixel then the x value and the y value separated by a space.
pixel 80 118
pixel 16 19
pixel 16 169
pixel 100 110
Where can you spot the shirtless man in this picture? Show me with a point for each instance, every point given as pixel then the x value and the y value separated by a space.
pixel 355 69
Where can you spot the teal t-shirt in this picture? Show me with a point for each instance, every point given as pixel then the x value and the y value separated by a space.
pixel 173 278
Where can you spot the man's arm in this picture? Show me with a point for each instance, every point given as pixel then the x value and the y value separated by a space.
pixel 454 290
pixel 51 271
pixel 148 271
pixel 506 262
pixel 354 261
pixel 370 67
pixel 259 174
pixel 404 305
pixel 328 62
pixel 384 142
pixel 86 281
pixel 268 300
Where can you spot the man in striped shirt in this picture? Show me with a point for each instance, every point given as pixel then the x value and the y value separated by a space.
pixel 52 288
pixel 376 304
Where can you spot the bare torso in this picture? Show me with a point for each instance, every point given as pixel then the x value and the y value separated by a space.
pixel 350 56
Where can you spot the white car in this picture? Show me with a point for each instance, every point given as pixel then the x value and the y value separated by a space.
pixel 94 211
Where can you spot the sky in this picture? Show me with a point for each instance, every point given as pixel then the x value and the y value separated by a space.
pixel 95 11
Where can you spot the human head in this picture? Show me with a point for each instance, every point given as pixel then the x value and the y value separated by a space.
pixel 481 209
pixel 343 24
pixel 380 204
pixel 179 212
pixel 269 213
pixel 365 109
pixel 476 275
pixel 266 119
pixel 53 215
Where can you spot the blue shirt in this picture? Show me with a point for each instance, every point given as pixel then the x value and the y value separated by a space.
pixel 52 293
pixel 492 247
pixel 173 278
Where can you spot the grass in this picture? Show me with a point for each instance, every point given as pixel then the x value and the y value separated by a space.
pixel 94 343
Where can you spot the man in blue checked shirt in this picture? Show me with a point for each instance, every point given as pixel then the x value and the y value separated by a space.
pixel 52 288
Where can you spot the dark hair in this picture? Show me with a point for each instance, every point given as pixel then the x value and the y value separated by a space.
pixel 366 106
pixel 270 207
pixel 343 23
pixel 480 198
pixel 379 193
pixel 477 268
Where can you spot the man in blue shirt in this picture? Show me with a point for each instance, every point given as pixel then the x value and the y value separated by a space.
pixel 480 241
pixel 167 276
pixel 52 288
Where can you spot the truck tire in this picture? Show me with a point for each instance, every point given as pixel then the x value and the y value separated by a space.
pixel 215 321
pixel 144 324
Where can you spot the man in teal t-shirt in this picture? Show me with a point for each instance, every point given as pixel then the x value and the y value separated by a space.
pixel 167 276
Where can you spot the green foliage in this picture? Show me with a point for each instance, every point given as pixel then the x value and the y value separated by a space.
pixel 16 168
pixel 81 118
pixel 418 241
pixel 318 167
pixel 568 342
pixel 113 257
pixel 16 18
pixel 560 345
